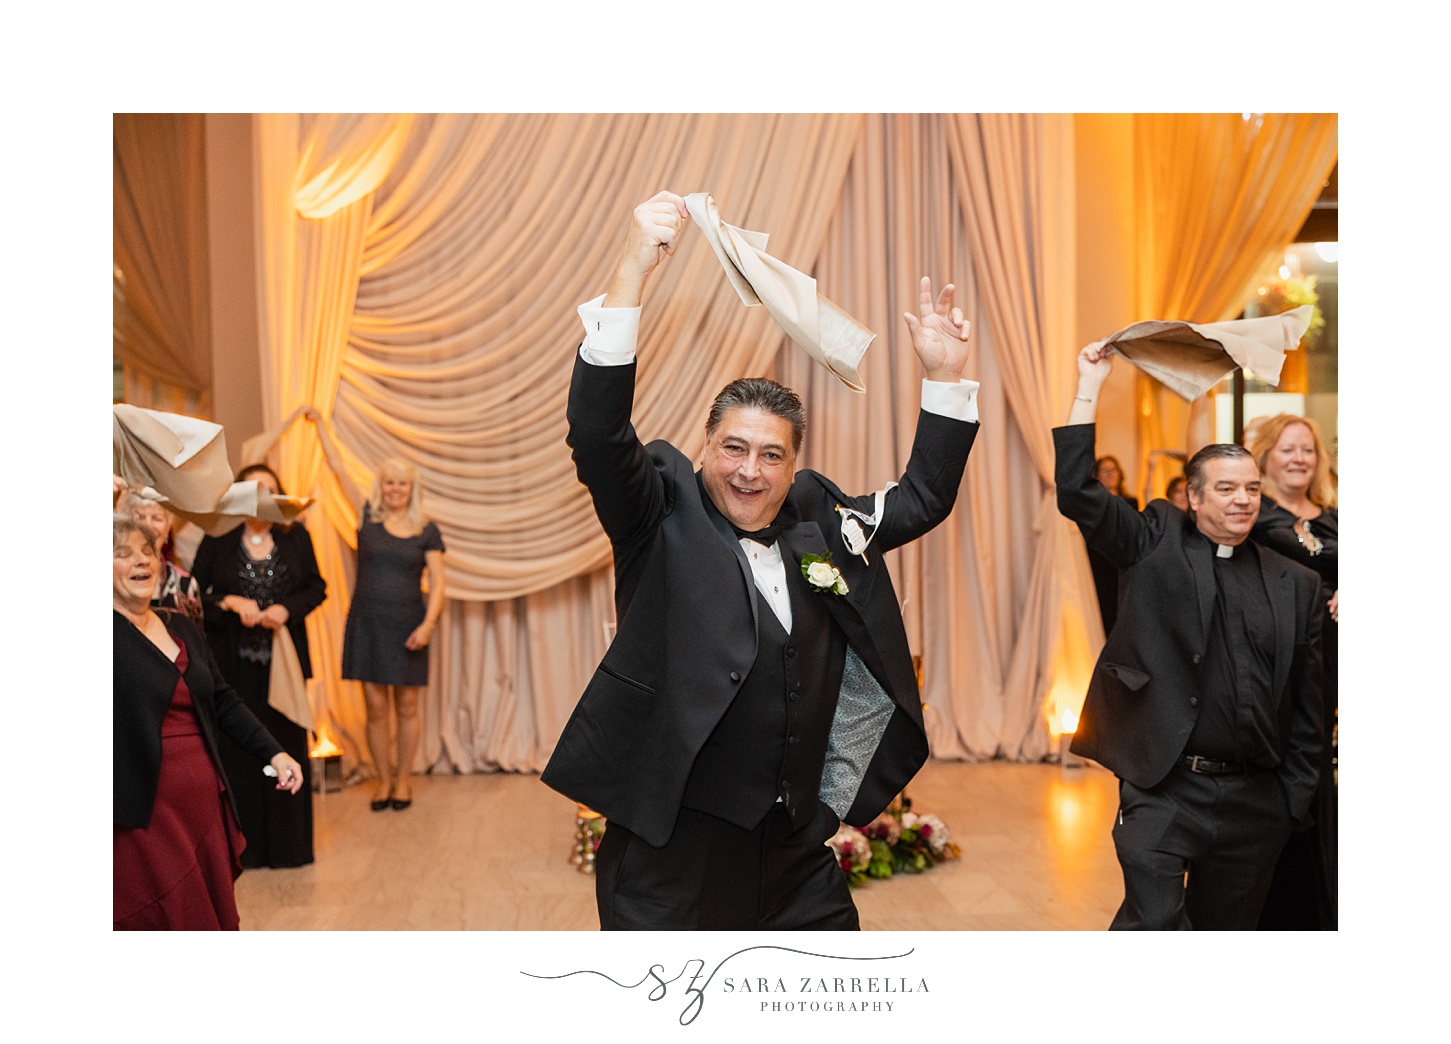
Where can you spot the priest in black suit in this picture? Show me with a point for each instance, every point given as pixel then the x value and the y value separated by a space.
pixel 1206 700
pixel 760 688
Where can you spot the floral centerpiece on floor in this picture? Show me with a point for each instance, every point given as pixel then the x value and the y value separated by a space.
pixel 899 841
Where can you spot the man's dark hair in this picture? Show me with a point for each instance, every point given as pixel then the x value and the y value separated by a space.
pixel 759 393
pixel 1194 470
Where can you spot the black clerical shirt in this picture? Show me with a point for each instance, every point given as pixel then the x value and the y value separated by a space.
pixel 1237 721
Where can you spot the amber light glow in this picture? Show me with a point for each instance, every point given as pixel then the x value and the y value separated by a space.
pixel 1066 723
pixel 1062 707
pixel 324 747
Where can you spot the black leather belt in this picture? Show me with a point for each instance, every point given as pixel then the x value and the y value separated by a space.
pixel 1211 766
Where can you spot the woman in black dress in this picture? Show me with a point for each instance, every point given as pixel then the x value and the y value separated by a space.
pixel 254 580
pixel 1298 518
pixel 385 644
pixel 175 840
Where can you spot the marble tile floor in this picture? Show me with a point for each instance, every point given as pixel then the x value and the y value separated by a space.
pixel 491 853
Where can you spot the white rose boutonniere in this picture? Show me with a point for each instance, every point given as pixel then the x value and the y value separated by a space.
pixel 823 577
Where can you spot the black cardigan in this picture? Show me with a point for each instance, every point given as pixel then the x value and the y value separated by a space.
pixel 217 578
pixel 143 681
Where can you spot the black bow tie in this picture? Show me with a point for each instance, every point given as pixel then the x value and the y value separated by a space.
pixel 765 536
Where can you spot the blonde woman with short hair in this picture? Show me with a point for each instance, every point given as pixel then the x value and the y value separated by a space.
pixel 385 644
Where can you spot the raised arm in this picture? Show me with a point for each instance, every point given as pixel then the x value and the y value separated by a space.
pixel 1095 363
pixel 334 457
pixel 255 449
pixel 946 425
pixel 655 228
pixel 628 493
pixel 939 334
pixel 1109 523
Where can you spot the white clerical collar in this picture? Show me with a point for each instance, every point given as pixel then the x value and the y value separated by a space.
pixel 1224 550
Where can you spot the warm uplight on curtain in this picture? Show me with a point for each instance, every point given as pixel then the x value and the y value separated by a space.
pixel 1217 198
pixel 344 158
pixel 418 278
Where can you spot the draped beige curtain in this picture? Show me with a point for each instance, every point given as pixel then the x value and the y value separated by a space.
pixel 1034 616
pixel 976 598
pixel 159 245
pixel 419 281
pixel 308 266
pixel 429 311
pixel 1218 197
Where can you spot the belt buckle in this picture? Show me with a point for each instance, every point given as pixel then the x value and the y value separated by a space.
pixel 1194 760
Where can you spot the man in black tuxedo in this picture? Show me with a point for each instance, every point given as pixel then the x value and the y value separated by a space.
pixel 1206 699
pixel 744 707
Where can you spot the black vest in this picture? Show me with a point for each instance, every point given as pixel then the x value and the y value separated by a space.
pixel 771 741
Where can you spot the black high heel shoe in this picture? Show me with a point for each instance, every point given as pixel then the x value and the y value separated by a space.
pixel 398 805
pixel 378 806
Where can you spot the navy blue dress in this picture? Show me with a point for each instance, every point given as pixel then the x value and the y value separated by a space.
pixel 388 605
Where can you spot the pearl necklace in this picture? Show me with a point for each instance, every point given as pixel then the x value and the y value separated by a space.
pixel 255 539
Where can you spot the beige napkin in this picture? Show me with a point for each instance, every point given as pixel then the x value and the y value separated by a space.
pixel 286 687
pixel 244 500
pixel 1191 358
pixel 828 334
pixel 182 462
pixel 183 458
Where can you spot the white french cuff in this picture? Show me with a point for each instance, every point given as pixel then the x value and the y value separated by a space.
pixel 958 401
pixel 610 334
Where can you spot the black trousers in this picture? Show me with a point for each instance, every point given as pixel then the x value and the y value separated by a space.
pixel 715 876
pixel 1223 832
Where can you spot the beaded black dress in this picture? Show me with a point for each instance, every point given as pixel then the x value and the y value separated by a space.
pixel 277 825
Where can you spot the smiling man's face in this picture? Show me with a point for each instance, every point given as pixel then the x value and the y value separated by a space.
pixel 1226 509
pixel 748 466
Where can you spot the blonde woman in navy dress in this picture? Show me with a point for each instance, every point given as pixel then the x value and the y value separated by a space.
pixel 385 645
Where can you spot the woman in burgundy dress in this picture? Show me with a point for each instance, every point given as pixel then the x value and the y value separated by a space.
pixel 176 845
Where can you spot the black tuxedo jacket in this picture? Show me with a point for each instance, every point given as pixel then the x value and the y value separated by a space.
pixel 1145 692
pixel 142 683
pixel 686 609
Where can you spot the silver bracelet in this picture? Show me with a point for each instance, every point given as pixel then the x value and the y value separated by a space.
pixel 1083 398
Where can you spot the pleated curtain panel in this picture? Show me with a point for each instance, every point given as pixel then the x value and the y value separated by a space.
pixel 1218 197
pixel 158 192
pixel 418 277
